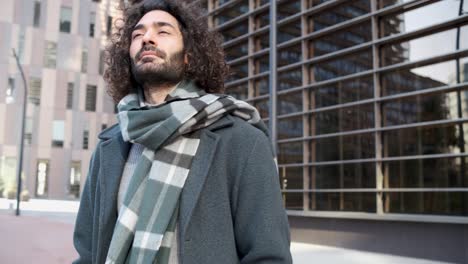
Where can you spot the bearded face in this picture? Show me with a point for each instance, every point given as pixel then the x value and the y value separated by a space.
pixel 157 50
pixel 152 66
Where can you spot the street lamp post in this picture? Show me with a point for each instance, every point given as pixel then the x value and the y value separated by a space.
pixel 23 121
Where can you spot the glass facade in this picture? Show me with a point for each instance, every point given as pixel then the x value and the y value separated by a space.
pixel 370 100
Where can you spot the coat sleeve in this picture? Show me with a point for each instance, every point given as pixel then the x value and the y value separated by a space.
pixel 82 235
pixel 261 225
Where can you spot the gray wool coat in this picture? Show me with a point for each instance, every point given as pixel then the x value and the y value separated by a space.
pixel 230 210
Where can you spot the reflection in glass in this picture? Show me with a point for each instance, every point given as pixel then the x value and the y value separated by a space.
pixel 289 31
pixel 354 175
pixel 293 201
pixel 426 173
pixel 235 31
pixel 290 127
pixel 236 51
pixel 261 20
pixel 342 66
pixel 261 64
pixel 290 153
pixel 261 42
pixel 420 108
pixel 344 119
pixel 358 202
pixel 422 140
pixel 440 203
pixel 360 146
pixel 232 12
pixel 290 55
pixel 239 91
pixel 409 80
pixel 288 8
pixel 238 71
pixel 419 18
pixel 289 79
pixel 291 178
pixel 290 103
pixel 421 48
pixel 261 86
pixel 338 14
pixel 346 38
pixel 341 92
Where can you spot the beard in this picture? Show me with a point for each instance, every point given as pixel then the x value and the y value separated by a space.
pixel 150 72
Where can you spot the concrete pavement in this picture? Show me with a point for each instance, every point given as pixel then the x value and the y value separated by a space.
pixel 43 234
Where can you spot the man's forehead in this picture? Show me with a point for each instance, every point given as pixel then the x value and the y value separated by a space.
pixel 158 18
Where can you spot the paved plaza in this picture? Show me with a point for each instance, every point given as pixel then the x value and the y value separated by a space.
pixel 43 234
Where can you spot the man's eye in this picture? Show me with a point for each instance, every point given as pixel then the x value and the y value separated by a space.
pixel 137 35
pixel 163 32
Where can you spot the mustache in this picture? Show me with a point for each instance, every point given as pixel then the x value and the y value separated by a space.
pixel 154 49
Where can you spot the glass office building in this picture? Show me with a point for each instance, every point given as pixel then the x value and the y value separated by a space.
pixel 367 104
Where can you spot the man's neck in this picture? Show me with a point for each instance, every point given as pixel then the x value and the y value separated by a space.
pixel 157 94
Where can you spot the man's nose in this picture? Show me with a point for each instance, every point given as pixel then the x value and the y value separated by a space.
pixel 149 38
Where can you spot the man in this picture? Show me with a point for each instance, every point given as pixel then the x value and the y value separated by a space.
pixel 188 174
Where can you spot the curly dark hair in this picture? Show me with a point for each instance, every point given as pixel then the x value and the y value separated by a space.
pixel 206 62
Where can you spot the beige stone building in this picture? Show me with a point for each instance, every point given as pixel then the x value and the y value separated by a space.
pixel 60 45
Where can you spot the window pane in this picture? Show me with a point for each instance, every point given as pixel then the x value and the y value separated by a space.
pixel 262 19
pixel 419 18
pixel 261 86
pixel 65 19
pixel 423 140
pixel 236 51
pixel 289 31
pixel 238 71
pixel 92 25
pixel 261 64
pixel 290 103
pixel 70 88
pixel 290 79
pixel 422 48
pixel 427 173
pixel 339 14
pixel 359 146
pixel 261 41
pixel 50 55
pixel 238 91
pixel 346 38
pixel 341 92
pixel 290 152
pixel 290 127
pixel 344 119
pixel 364 202
pixel 90 98
pixel 288 8
pixel 232 12
pixel 58 133
pixel 235 31
pixel 37 14
pixel 289 55
pixel 354 175
pixel 291 178
pixel 75 177
pixel 421 108
pixel 42 178
pixel 342 66
pixel 409 80
pixel 293 201
pixel 440 203
pixel 34 94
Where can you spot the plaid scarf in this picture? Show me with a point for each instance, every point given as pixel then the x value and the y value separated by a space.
pixel 170 134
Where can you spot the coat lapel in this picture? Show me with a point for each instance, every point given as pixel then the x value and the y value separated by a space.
pixel 199 170
pixel 114 152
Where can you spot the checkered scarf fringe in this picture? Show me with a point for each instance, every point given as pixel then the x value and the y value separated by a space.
pixel 170 134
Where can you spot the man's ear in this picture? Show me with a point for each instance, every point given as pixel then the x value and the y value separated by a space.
pixel 186 60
